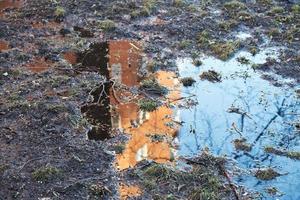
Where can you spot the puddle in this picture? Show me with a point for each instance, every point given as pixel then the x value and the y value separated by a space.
pixel 5 4
pixel 38 65
pixel 241 111
pixel 4 46
pixel 120 110
pixel 242 105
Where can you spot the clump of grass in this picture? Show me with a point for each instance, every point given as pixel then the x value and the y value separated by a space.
pixel 266 174
pixel 272 190
pixel 119 148
pixel 290 154
pixel 97 190
pixel 156 137
pixel 224 50
pixel 148 105
pixel 253 50
pixel 273 32
pixel 234 6
pixel 179 3
pixel 203 38
pixel 276 10
pixel 145 10
pixel 151 85
pixel 192 8
pixel 209 189
pixel 149 184
pixel 264 2
pixel 46 173
pixel 240 144
pixel 107 25
pixel 211 76
pixel 157 170
pixel 228 24
pixel 197 62
pixel 243 60
pixel 296 9
pixel 59 11
pixel 184 44
pixel 187 81
pixel 152 66
pixel 204 193
pixel 284 18
pixel 244 16
pixel 292 33
pixel 3 168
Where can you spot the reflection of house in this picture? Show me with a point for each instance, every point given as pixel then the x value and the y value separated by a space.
pixel 124 60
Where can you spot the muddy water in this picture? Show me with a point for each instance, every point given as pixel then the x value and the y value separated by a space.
pixel 115 107
pixel 263 116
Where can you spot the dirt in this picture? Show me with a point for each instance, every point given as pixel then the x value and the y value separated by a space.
pixel 51 70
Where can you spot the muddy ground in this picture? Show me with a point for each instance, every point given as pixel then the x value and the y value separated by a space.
pixel 44 148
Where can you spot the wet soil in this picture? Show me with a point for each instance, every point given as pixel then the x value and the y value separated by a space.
pixel 55 59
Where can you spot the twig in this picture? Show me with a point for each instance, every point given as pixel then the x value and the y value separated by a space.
pixel 279 113
pixel 232 186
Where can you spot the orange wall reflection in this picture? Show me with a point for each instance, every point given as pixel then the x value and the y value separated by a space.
pixel 124 60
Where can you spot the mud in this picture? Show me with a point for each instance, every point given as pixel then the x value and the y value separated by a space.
pixel 71 78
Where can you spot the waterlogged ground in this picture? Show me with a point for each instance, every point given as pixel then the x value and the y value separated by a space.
pixel 92 102
pixel 242 105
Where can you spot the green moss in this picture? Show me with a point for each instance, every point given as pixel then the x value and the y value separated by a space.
pixel 234 6
pixel 107 25
pixel 224 50
pixel 187 81
pixel 266 174
pixel 253 50
pixel 296 9
pixel 148 105
pixel 46 173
